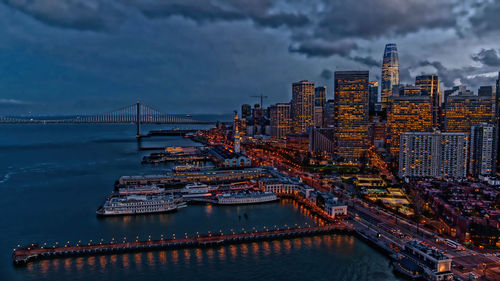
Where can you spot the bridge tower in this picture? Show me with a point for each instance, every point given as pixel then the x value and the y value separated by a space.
pixel 138 120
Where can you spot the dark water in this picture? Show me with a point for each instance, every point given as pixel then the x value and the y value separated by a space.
pixel 53 177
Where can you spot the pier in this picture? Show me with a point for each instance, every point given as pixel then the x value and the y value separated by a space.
pixel 33 252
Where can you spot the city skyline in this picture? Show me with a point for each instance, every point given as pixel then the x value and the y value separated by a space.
pixel 116 53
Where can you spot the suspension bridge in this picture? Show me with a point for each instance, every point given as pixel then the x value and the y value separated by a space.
pixel 135 113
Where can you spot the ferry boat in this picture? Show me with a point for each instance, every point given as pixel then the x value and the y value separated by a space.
pixel 139 204
pixel 245 198
pixel 196 189
pixel 140 190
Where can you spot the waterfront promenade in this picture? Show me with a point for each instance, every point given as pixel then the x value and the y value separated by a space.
pixel 32 252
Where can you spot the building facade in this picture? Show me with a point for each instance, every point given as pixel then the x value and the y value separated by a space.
pixel 436 155
pixel 463 109
pixel 407 114
pixel 482 150
pixel 246 111
pixel 302 106
pixel 351 114
pixel 390 72
pixel 321 140
pixel 280 120
pixel 373 93
pixel 430 86
pixel 320 96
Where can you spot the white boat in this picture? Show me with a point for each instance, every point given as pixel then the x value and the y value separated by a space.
pixel 245 198
pixel 139 204
pixel 194 190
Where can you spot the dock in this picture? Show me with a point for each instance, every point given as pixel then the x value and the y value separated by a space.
pixel 24 255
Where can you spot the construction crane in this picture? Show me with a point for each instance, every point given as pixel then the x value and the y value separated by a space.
pixel 262 97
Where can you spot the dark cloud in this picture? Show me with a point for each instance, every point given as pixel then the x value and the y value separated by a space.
pixel 326 74
pixel 368 61
pixel 488 57
pixel 312 49
pixel 372 19
pixel 76 14
pixel 486 19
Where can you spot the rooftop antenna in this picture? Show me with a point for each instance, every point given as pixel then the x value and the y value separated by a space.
pixel 262 97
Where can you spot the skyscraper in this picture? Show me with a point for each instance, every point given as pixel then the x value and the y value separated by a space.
pixel 482 150
pixel 302 106
pixel 246 111
pixel 280 120
pixel 463 109
pixel 433 154
pixel 320 96
pixel 373 96
pixel 407 114
pixel 430 86
pixel 351 114
pixel 390 72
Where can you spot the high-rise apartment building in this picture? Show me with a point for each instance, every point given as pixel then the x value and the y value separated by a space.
pixel 280 120
pixel 373 97
pixel 463 109
pixel 351 114
pixel 320 96
pixel 390 72
pixel 436 154
pixel 302 106
pixel 482 150
pixel 407 114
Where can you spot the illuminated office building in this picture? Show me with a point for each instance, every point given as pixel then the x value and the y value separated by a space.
pixel 329 114
pixel 320 96
pixel 463 109
pixel 482 150
pixel 406 90
pixel 302 106
pixel 351 114
pixel 430 86
pixel 390 73
pixel 436 155
pixel 280 120
pixel 321 140
pixel 373 93
pixel 407 114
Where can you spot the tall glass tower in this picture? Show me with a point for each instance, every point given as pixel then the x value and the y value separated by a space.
pixel 390 72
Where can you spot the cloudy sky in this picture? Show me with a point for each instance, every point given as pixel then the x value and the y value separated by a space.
pixel 205 56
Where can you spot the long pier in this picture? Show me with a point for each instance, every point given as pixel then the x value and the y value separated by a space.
pixel 33 252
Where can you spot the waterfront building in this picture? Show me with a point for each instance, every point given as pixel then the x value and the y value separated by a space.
pixel 246 111
pixel 429 84
pixel 373 97
pixel 228 159
pixel 436 154
pixel 463 109
pixel 302 106
pixel 351 114
pixel 433 263
pixel 321 140
pixel 280 120
pixel 482 150
pixel 407 113
pixel 390 72
pixel 320 96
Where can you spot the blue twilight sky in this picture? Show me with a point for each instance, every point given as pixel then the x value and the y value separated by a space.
pixel 206 56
